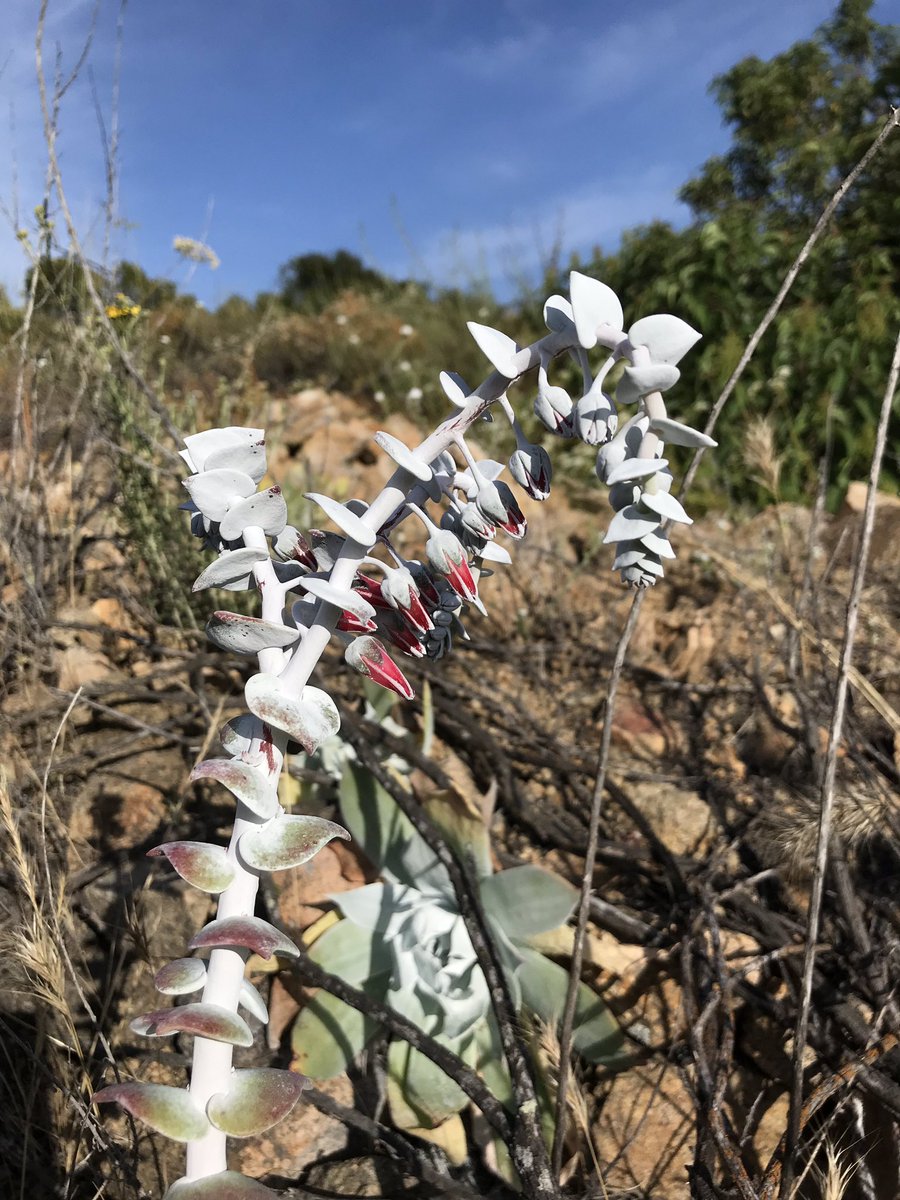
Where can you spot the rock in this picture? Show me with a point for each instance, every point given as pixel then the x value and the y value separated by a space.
pixel 680 818
pixel 77 665
pixel 103 556
pixel 368 1176
pixel 639 731
pixel 645 1133
pixel 302 893
pixel 843 535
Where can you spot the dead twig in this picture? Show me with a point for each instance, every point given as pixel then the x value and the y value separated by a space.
pixel 830 772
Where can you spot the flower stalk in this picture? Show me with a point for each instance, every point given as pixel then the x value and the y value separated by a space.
pixel 312 587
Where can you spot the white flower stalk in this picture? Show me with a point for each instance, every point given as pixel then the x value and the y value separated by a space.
pixel 314 585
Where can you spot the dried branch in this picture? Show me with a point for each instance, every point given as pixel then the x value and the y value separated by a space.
pixel 587 883
pixel 828 781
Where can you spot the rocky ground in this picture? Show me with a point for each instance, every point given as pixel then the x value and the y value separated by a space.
pixel 708 827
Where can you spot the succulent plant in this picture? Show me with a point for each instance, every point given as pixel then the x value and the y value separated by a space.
pixel 403 941
pixel 322 585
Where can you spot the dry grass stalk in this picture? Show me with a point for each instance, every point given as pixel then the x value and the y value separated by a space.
pixel 577 1100
pixel 836 1176
pixel 761 457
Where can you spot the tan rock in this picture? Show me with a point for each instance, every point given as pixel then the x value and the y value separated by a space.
pixel 639 731
pixel 302 893
pixel 772 1124
pixel 112 615
pixel 78 665
pixel 644 1134
pixel 855 498
pixel 103 556
pixel 680 818
pixel 367 1176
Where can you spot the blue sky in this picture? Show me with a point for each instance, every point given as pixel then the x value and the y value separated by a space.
pixel 435 138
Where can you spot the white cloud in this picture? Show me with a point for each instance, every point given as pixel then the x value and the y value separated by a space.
pixel 516 249
pixel 487 59
pixel 583 62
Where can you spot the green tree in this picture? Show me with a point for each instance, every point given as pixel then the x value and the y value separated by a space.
pixel 61 288
pixel 799 122
pixel 309 282
pixel 138 286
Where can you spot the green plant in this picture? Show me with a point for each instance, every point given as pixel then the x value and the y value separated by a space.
pixel 404 941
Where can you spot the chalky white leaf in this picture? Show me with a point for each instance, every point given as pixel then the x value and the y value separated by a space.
pixel 455 388
pixel 201 445
pixel 288 842
pixel 655 377
pixel 558 315
pixel 348 522
pixel 593 304
pixel 667 338
pixel 667 506
pixel 247 635
pixel 267 510
pixel 497 347
pixel 635 468
pixel 246 783
pixel 631 522
pixel 404 457
pixel 230 569
pixel 309 719
pixel 242 456
pixel 252 1002
pixel 343 598
pixel 214 492
pixel 681 435
pixel 658 543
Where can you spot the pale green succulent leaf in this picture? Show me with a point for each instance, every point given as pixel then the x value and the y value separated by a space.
pixel 467 835
pixel 386 835
pixel 328 1034
pixel 597 1037
pixel 527 900
pixel 420 1094
pixel 227 1185
pixel 256 1100
pixel 353 953
pixel 485 1054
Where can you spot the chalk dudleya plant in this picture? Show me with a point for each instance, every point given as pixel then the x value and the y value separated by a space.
pixel 404 942
pixel 354 583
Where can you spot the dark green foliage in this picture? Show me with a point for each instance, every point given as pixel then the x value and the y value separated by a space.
pixel 133 282
pixel 800 122
pixel 61 289
pixel 309 282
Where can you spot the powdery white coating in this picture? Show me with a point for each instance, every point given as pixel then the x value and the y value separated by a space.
pixel 240 524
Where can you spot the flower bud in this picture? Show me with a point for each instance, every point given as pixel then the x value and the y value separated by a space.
pixel 398 589
pixel 532 470
pixel 368 656
pixel 446 555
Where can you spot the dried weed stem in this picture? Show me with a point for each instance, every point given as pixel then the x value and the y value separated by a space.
pixel 830 771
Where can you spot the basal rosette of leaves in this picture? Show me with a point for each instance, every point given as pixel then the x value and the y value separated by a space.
pixel 402 940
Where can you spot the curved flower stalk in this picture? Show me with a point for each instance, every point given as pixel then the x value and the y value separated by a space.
pixel 351 581
pixel 404 942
